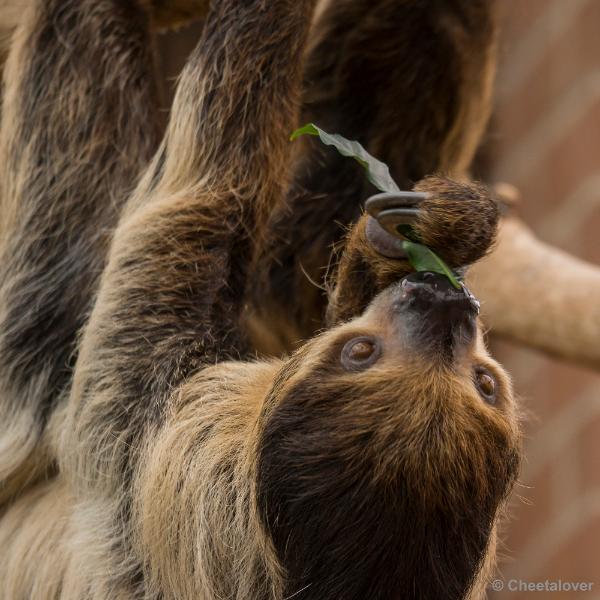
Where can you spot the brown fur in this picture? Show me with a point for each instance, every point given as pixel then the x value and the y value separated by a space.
pixel 75 134
pixel 179 465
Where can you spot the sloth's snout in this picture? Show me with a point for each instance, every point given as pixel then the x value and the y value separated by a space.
pixel 430 291
pixel 434 312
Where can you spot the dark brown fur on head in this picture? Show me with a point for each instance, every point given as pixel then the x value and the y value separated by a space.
pixel 386 482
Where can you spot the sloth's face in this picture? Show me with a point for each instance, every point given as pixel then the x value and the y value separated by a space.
pixel 387 446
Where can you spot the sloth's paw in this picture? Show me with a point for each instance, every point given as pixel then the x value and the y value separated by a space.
pixel 456 220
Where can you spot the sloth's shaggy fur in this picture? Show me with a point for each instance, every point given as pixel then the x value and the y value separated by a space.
pixel 147 452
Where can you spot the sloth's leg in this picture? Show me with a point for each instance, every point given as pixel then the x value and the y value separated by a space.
pixel 412 82
pixel 78 127
pixel 172 292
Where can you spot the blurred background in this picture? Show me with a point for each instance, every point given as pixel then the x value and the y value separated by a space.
pixel 545 139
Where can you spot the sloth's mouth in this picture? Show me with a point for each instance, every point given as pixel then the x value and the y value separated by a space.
pixel 435 315
pixel 429 291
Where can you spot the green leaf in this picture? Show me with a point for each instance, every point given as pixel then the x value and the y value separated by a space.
pixel 378 173
pixel 419 256
pixel 423 259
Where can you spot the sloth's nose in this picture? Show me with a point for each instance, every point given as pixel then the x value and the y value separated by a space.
pixel 429 291
pixel 438 314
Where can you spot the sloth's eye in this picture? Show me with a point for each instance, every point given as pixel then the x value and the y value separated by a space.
pixel 360 353
pixel 486 385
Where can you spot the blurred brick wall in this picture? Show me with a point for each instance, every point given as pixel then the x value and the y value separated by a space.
pixel 545 139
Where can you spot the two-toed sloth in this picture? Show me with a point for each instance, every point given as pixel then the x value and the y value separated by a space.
pixel 147 451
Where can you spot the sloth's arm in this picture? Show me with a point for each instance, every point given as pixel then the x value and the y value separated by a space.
pixel 412 82
pixel 77 130
pixel 173 289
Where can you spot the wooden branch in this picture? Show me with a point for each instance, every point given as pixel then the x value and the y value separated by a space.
pixel 540 296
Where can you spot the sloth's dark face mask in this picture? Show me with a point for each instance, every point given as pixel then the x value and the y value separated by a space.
pixel 387 446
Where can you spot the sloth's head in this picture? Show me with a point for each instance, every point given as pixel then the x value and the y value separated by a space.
pixel 387 446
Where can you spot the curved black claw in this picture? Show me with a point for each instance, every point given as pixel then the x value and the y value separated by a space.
pixel 395 209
